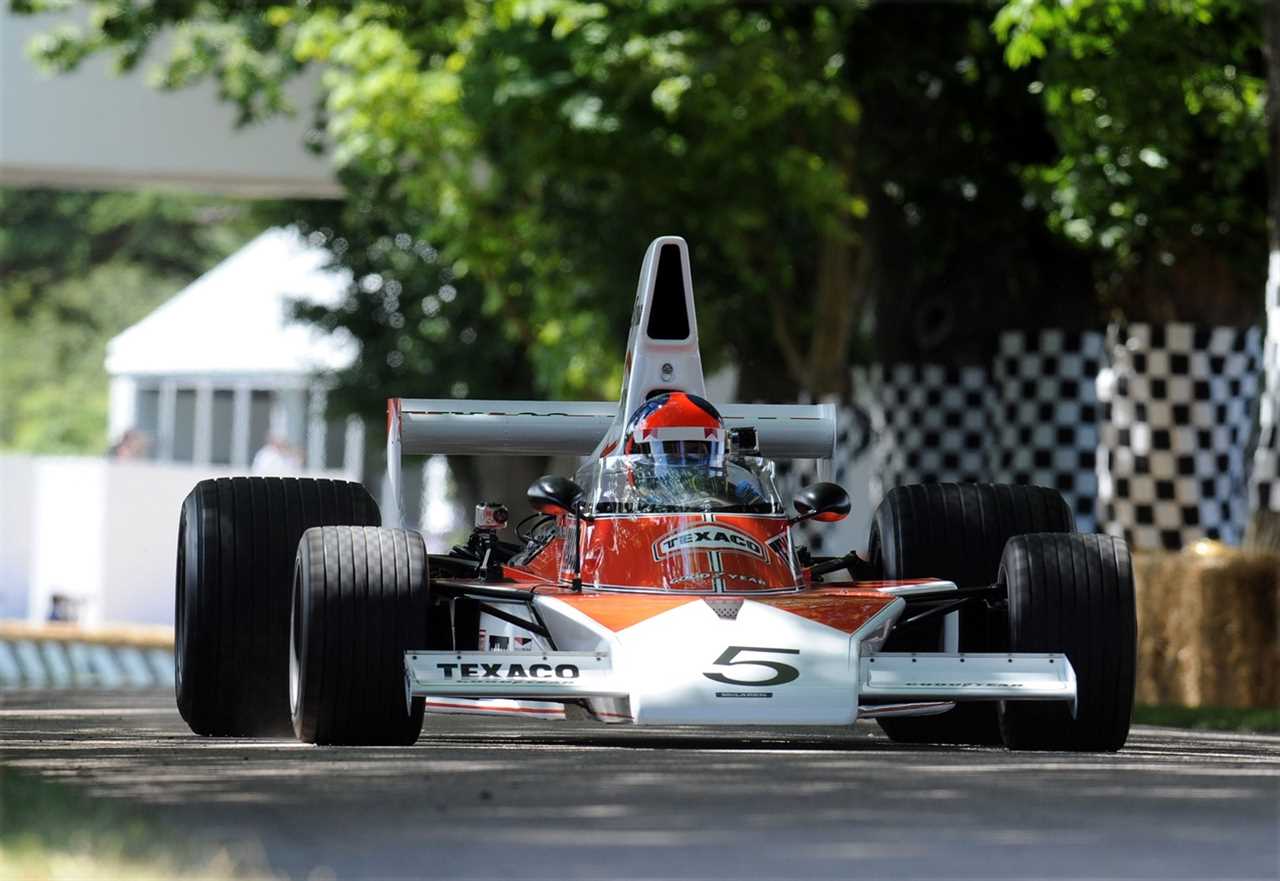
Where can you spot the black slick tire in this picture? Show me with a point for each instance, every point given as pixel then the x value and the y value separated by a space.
pixel 360 601
pixel 957 532
pixel 237 539
pixel 1073 594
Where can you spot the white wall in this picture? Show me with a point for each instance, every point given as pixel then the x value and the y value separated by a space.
pixel 140 538
pixel 67 542
pixel 17 490
pixel 102 532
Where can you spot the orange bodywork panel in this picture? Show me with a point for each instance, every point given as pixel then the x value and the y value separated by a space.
pixel 845 609
pixel 635 567
pixel 618 612
pixel 700 553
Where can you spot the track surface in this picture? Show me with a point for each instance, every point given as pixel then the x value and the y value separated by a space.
pixel 479 798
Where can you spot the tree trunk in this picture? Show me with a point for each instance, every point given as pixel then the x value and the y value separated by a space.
pixel 1263 531
pixel 1264 526
pixel 841 290
pixel 843 271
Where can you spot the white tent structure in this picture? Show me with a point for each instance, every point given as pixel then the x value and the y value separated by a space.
pixel 222 366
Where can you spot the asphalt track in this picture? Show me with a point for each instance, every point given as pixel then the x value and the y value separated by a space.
pixel 480 798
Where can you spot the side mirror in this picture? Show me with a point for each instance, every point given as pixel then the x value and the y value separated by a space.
pixel 821 501
pixel 555 495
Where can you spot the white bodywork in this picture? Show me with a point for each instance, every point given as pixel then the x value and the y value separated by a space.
pixel 766 666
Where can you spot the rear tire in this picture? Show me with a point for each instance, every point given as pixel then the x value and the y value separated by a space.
pixel 237 538
pixel 1073 594
pixel 957 532
pixel 360 598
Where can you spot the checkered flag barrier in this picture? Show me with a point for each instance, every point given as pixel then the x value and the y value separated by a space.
pixel 1265 485
pixel 1031 418
pixel 929 423
pixel 1043 416
pixel 1177 413
pixel 1146 435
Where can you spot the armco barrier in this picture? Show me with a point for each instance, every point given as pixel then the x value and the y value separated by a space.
pixel 68 656
pixel 57 655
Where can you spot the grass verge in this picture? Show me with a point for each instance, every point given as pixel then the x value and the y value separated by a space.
pixel 1266 721
pixel 52 832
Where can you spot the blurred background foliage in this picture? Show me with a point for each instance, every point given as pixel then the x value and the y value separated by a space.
pixel 76 268
pixel 895 181
pixel 1157 108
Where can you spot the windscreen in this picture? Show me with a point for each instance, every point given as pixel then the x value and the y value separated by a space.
pixel 643 484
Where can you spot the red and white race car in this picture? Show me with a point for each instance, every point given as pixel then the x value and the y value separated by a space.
pixel 662 586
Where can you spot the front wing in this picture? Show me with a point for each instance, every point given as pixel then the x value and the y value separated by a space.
pixel 765 661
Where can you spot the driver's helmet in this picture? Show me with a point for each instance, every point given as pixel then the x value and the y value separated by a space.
pixel 678 435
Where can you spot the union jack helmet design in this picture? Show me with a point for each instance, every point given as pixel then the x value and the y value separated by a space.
pixel 677 430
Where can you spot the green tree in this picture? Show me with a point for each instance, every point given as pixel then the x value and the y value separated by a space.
pixel 76 269
pixel 540 145
pixel 1157 108
pixel 962 253
pixel 577 153
pixel 550 142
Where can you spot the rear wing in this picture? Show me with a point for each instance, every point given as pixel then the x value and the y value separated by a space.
pixel 573 428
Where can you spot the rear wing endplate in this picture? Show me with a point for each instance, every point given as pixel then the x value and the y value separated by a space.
pixel 573 428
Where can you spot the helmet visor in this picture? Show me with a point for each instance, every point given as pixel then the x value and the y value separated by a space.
pixel 685 454
pixel 680 448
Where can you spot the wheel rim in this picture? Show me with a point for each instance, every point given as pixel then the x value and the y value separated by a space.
pixel 295 661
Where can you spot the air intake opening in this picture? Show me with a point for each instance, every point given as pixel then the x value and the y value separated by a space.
pixel 668 314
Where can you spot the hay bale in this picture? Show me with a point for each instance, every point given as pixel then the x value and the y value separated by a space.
pixel 1207 627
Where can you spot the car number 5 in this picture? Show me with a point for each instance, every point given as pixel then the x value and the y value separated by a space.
pixel 783 673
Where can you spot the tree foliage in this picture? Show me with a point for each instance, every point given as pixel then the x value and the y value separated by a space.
pixel 1158 111
pixel 819 157
pixel 963 252
pixel 76 269
pixel 423 330
pixel 539 146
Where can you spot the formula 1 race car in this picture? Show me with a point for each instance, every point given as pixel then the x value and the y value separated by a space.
pixel 662 586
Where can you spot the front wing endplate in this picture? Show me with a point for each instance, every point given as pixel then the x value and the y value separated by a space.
pixel 902 676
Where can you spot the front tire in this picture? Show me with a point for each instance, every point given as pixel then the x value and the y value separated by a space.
pixel 1073 594
pixel 237 538
pixel 360 599
pixel 957 531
